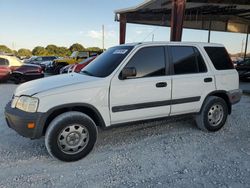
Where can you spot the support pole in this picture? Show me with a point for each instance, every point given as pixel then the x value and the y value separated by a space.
pixel 245 54
pixel 103 39
pixel 123 23
pixel 209 32
pixel 177 19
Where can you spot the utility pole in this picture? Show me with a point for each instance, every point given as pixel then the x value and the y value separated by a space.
pixel 103 45
pixel 153 37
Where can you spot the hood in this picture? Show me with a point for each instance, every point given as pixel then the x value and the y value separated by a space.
pixel 53 82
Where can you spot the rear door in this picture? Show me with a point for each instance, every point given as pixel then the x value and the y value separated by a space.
pixel 148 94
pixel 226 76
pixel 192 80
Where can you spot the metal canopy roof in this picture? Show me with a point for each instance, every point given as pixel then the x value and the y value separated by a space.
pixel 217 15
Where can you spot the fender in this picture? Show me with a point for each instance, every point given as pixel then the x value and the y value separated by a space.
pixel 90 110
pixel 225 97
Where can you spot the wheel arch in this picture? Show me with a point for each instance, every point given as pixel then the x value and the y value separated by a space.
pixel 222 94
pixel 87 109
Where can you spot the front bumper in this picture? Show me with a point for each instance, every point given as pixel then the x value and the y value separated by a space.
pixel 234 96
pixel 18 121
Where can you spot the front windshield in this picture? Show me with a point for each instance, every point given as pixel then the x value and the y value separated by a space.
pixel 107 62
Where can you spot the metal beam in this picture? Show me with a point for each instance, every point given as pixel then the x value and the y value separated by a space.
pixel 209 31
pixel 177 18
pixel 123 23
pixel 245 54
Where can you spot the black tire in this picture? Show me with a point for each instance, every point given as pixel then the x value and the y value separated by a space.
pixel 219 109
pixel 59 125
pixel 58 68
pixel 18 78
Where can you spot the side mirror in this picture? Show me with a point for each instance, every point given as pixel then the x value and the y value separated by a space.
pixel 128 72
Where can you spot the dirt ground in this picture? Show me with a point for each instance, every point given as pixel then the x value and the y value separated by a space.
pixel 167 153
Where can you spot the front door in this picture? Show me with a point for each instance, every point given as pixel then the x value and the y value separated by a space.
pixel 146 95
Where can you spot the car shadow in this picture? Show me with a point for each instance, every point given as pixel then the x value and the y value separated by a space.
pixel 111 137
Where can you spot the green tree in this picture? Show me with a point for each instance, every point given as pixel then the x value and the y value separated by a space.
pixel 5 49
pixel 76 47
pixel 52 49
pixel 63 51
pixel 15 52
pixel 39 51
pixel 94 49
pixel 24 52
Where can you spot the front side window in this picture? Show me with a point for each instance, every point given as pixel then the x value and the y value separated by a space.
pixel 148 62
pixel 187 60
pixel 4 61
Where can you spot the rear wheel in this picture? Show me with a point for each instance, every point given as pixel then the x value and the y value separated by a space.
pixel 18 78
pixel 71 136
pixel 58 68
pixel 213 114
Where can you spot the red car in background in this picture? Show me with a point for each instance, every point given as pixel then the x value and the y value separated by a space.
pixel 11 68
pixel 7 65
pixel 4 72
pixel 77 67
pixel 26 73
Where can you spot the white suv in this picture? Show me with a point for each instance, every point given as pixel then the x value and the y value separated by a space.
pixel 127 83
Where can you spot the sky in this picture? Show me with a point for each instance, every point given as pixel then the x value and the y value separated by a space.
pixel 30 23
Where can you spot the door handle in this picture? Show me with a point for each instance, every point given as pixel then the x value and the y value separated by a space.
pixel 161 84
pixel 208 79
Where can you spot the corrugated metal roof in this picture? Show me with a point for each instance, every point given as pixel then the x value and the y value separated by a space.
pixel 224 15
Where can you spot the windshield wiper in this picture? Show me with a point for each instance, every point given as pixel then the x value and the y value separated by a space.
pixel 87 73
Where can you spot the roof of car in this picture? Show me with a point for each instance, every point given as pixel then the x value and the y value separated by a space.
pixel 174 43
pixel 8 57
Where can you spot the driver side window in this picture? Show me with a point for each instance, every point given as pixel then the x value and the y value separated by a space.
pixel 148 62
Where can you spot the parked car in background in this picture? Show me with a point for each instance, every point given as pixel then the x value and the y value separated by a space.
pixel 43 61
pixel 26 73
pixel 38 60
pixel 29 59
pixel 4 72
pixel 243 69
pixel 11 61
pixel 75 57
pixel 77 67
pixel 7 65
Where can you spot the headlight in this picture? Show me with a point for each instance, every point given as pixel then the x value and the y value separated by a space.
pixel 25 103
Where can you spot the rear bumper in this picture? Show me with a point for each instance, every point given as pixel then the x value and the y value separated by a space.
pixel 18 121
pixel 234 96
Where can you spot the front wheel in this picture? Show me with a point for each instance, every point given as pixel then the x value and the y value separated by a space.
pixel 71 136
pixel 213 114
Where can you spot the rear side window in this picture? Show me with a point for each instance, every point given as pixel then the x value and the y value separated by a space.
pixel 4 61
pixel 219 58
pixel 149 62
pixel 187 60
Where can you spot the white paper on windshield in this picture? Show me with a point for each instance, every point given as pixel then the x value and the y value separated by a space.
pixel 121 51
